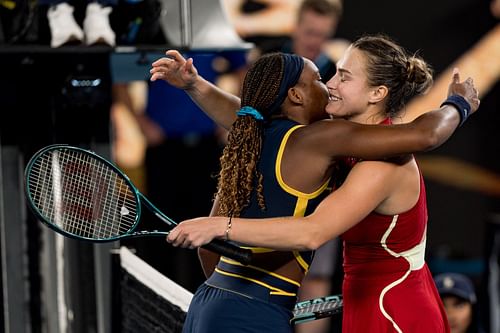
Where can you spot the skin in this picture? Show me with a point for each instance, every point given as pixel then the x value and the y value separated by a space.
pixel 459 313
pixel 305 103
pixel 312 32
pixel 351 96
pixel 342 88
pixel 387 188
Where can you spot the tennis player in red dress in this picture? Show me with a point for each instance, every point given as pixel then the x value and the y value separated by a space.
pixel 379 210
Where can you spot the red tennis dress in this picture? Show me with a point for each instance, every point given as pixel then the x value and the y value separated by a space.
pixel 387 285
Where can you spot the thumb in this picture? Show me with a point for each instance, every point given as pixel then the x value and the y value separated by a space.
pixel 189 65
pixel 456 75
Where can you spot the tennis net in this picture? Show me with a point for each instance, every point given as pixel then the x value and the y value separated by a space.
pixel 150 302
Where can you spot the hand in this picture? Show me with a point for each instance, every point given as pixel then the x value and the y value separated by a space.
pixel 465 89
pixel 175 69
pixel 197 232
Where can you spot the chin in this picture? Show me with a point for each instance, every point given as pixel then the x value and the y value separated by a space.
pixel 334 115
pixel 334 112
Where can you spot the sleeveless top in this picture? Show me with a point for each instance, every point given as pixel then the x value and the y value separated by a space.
pixel 281 200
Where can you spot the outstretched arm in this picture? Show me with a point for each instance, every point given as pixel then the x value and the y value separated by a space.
pixel 368 182
pixel 427 132
pixel 181 73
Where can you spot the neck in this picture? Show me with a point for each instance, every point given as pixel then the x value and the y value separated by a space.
pixel 369 117
pixel 295 113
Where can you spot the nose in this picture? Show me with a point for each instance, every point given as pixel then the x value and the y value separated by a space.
pixel 332 84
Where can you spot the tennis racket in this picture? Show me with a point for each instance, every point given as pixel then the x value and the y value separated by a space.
pixel 81 195
pixel 317 308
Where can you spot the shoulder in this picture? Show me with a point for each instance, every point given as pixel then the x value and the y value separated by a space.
pixel 330 127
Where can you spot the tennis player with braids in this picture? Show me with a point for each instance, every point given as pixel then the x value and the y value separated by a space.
pixel 279 161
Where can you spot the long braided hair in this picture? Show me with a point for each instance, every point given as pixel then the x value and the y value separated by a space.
pixel 262 90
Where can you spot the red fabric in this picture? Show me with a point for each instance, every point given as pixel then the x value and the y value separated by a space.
pixel 376 280
pixel 412 302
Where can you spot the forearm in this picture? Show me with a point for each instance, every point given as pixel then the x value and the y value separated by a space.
pixel 370 142
pixel 282 233
pixel 437 126
pixel 215 102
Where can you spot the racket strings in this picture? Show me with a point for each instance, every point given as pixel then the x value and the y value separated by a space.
pixel 82 195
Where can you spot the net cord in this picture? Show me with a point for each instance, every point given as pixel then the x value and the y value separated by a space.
pixel 157 282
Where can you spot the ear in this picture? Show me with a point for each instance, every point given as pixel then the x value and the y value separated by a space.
pixel 295 95
pixel 378 94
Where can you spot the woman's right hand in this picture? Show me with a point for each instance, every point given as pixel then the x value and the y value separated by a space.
pixel 175 69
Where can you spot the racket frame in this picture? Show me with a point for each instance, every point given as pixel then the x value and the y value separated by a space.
pixel 219 246
pixel 135 194
pixel 322 313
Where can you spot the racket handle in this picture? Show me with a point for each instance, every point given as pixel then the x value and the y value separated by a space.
pixel 229 250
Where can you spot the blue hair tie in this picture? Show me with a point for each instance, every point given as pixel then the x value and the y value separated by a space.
pixel 249 111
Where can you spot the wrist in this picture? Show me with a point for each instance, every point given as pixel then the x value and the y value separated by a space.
pixel 195 86
pixel 229 226
pixel 461 105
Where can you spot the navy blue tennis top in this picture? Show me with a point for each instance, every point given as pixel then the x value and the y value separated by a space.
pixel 281 200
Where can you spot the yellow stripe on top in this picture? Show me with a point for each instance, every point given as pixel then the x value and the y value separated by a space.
pixel 281 277
pixel 300 195
pixel 275 291
pixel 302 198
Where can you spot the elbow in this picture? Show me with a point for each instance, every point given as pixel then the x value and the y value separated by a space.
pixel 314 244
pixel 311 242
pixel 312 234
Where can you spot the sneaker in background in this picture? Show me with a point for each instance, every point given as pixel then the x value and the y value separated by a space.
pixel 63 27
pixel 97 27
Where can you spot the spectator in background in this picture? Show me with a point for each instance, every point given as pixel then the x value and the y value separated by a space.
pixel 460 302
pixel 317 22
pixel 64 29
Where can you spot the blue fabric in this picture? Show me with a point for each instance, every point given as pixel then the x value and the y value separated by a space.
pixel 460 103
pixel 249 111
pixel 214 310
pixel 227 277
pixel 325 65
pixel 173 109
pixel 293 66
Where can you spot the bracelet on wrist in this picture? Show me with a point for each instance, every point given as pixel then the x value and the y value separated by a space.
pixel 228 227
pixel 462 106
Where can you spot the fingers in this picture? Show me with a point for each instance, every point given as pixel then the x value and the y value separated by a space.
pixel 179 238
pixel 171 56
pixel 456 75
pixel 175 55
pixel 189 65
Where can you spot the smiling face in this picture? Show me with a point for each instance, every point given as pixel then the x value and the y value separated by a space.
pixel 350 94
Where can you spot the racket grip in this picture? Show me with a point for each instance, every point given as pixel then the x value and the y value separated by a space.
pixel 229 250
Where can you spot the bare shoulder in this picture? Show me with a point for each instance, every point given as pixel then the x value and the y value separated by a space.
pixel 376 171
